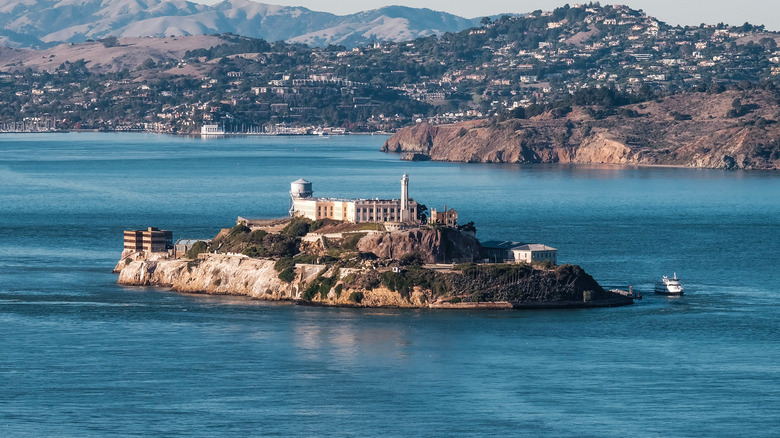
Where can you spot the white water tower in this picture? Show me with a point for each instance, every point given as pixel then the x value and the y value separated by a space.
pixel 300 189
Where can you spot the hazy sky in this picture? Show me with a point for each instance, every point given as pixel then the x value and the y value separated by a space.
pixel 733 12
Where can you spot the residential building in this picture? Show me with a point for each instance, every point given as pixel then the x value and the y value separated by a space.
pixel 150 240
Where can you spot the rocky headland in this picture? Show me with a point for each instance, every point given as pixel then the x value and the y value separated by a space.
pixel 363 268
pixel 733 129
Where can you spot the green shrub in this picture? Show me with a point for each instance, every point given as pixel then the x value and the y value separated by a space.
pixel 319 223
pixel 306 258
pixel 356 297
pixel 391 280
pixel 338 289
pixel 411 259
pixel 192 264
pixel 350 241
pixel 239 229
pixel 196 249
pixel 284 263
pixel 454 300
pixel 257 251
pixel 464 266
pixel 217 282
pixel 128 261
pixel 287 275
pixel 258 235
pixel 297 227
pixel 311 290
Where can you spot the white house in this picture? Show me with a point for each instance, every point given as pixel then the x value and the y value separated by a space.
pixel 535 252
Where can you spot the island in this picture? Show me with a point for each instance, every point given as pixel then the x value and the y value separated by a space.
pixel 361 253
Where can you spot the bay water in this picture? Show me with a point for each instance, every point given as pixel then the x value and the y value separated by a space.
pixel 82 356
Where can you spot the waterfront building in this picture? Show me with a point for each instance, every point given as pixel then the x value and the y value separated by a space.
pixel 304 204
pixel 151 239
pixel 211 130
pixel 446 217
pixel 517 252
pixel 535 252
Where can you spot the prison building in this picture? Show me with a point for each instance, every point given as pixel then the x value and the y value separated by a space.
pixel 304 204
pixel 446 217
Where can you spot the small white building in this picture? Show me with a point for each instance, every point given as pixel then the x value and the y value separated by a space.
pixel 211 130
pixel 535 252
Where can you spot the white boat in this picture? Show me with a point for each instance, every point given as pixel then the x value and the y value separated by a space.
pixel 669 286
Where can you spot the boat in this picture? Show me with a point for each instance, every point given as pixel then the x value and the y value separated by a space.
pixel 669 286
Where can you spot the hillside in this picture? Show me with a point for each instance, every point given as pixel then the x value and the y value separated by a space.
pixel 38 23
pixel 731 129
pixel 530 63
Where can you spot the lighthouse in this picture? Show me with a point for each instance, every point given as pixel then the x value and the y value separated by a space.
pixel 405 198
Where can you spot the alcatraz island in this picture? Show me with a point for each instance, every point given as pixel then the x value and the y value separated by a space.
pixel 362 253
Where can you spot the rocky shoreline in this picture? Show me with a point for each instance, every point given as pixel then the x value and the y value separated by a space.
pixel 379 283
pixel 690 129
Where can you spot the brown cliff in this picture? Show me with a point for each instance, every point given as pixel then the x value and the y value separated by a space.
pixel 690 129
pixel 429 245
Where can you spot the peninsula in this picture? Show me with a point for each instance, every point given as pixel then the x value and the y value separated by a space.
pixel 710 128
pixel 361 253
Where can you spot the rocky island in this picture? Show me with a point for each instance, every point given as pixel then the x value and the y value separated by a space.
pixel 361 265
pixel 361 253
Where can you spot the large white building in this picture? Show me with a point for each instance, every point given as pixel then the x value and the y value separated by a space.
pixel 303 203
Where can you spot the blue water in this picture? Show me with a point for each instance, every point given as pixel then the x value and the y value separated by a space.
pixel 81 356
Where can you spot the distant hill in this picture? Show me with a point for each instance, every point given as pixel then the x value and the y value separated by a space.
pixel 38 23
pixel 734 129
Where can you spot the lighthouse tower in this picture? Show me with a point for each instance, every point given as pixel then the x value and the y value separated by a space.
pixel 405 199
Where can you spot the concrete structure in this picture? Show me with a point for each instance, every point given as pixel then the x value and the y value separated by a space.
pixel 183 245
pixel 303 204
pixel 150 240
pixel 446 217
pixel 517 252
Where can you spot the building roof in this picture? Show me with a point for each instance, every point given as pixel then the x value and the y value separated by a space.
pixel 534 247
pixel 301 181
pixel 191 241
pixel 501 244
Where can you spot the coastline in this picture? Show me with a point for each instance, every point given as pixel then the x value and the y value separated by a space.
pixel 219 274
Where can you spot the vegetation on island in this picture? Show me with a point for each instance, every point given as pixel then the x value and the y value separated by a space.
pixel 343 268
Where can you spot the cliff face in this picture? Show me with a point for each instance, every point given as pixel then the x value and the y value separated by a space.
pixel 235 275
pixel 691 129
pixel 430 245
pixel 495 286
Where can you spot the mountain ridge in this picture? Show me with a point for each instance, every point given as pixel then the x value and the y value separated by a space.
pixel 47 22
